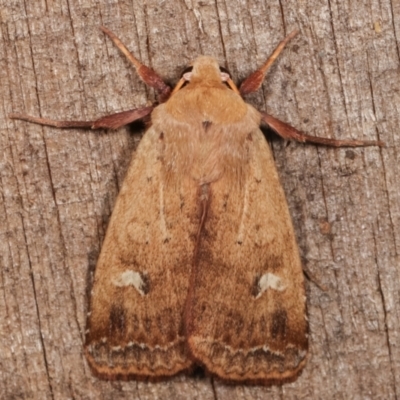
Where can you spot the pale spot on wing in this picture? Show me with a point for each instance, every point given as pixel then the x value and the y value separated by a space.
pixel 270 281
pixel 131 278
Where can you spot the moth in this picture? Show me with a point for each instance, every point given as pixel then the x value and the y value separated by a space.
pixel 200 264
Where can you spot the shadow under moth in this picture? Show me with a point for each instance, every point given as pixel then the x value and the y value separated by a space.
pixel 200 264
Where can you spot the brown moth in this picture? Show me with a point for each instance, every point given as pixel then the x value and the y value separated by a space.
pixel 200 264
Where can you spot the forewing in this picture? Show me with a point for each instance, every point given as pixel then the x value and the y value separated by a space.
pixel 246 313
pixel 135 326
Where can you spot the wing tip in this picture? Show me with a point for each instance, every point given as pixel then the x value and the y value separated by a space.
pixel 127 372
pixel 277 373
pixel 136 362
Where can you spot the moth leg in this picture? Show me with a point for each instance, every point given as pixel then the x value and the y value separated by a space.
pixel 148 75
pixel 113 121
pixel 288 132
pixel 254 81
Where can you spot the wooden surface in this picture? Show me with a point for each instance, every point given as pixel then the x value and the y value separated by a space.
pixel 340 78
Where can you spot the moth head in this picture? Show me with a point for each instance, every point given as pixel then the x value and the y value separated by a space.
pixel 205 69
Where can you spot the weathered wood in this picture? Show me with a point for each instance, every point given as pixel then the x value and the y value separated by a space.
pixel 340 78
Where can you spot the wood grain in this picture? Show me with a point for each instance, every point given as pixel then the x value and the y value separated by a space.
pixel 339 78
